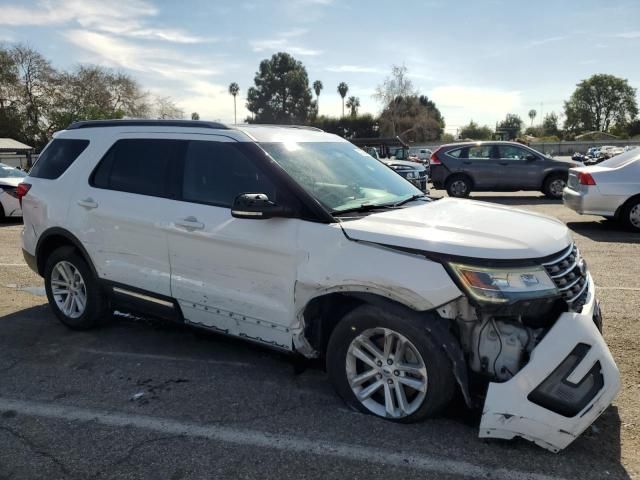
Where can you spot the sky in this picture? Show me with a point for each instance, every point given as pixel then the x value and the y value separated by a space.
pixel 476 59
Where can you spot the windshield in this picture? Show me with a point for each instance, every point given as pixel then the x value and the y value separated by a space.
pixel 621 160
pixel 340 175
pixel 9 172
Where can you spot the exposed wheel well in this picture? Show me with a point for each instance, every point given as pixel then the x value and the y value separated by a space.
pixel 50 242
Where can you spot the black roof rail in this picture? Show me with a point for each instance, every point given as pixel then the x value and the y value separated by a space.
pixel 147 123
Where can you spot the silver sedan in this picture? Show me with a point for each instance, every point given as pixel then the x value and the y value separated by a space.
pixel 610 189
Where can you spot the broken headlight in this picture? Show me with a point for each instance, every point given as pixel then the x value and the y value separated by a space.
pixel 504 285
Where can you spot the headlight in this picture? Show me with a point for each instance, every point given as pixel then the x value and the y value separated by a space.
pixel 503 285
pixel 412 174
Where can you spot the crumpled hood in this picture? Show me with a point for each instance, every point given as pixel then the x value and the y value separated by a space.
pixel 465 228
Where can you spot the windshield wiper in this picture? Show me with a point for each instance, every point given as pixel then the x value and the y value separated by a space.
pixel 410 199
pixel 365 207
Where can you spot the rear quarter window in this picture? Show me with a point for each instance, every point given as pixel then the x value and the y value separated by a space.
pixel 457 153
pixel 57 158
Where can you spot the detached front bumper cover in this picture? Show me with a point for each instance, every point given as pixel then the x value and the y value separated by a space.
pixel 569 381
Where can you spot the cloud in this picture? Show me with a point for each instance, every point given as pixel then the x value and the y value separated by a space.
pixel 544 41
pixel 282 43
pixel 126 19
pixel 352 69
pixel 635 34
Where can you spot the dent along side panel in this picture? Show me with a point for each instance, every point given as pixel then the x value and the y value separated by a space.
pixel 337 264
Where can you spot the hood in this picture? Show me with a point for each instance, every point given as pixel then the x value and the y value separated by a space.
pixel 11 181
pixel 403 163
pixel 465 228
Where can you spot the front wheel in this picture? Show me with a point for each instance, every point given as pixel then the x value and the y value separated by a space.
pixel 554 185
pixel 387 365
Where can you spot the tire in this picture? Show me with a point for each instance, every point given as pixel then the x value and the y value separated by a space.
pixel 630 215
pixel 553 185
pixel 458 186
pixel 65 263
pixel 432 370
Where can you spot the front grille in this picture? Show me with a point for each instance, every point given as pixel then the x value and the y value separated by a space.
pixel 569 272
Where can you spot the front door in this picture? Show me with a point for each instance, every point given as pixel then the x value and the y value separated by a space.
pixel 233 275
pixel 519 167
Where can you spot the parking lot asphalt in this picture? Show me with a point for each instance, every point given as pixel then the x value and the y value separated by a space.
pixel 145 399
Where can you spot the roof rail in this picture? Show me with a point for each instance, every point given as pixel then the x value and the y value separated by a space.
pixel 147 123
pixel 301 127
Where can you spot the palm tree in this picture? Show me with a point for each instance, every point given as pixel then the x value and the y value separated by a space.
pixel 532 115
pixel 317 87
pixel 234 89
pixel 353 103
pixel 343 88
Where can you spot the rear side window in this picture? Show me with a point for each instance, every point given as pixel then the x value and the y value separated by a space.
pixel 57 158
pixel 457 153
pixel 139 166
pixel 217 172
pixel 482 152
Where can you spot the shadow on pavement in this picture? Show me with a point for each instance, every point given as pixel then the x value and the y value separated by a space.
pixel 10 222
pixel 517 200
pixel 604 231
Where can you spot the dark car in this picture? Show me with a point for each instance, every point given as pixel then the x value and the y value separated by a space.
pixel 414 172
pixel 461 168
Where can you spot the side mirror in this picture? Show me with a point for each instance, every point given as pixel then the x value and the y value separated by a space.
pixel 531 157
pixel 256 206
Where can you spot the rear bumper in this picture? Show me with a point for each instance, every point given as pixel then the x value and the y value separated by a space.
pixel 587 203
pixel 10 205
pixel 508 411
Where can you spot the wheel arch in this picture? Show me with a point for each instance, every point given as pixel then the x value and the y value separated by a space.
pixel 624 204
pixel 458 174
pixel 322 314
pixel 550 173
pixel 54 238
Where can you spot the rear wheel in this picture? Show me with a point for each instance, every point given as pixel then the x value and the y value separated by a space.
pixel 458 186
pixel 631 214
pixel 384 364
pixel 554 185
pixel 73 291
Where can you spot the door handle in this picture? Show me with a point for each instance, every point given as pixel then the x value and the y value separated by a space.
pixel 190 223
pixel 88 203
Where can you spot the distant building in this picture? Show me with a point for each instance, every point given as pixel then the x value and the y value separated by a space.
pixel 15 153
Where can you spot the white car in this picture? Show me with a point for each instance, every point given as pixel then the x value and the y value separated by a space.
pixel 9 179
pixel 610 189
pixel 298 240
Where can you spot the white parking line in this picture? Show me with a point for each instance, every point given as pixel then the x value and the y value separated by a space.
pixel 258 439
pixel 13 265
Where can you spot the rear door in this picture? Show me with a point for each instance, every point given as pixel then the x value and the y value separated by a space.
pixel 519 167
pixel 120 212
pixel 477 162
pixel 234 275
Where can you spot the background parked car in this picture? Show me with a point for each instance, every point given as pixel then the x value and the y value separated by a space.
pixel 9 179
pixel 497 166
pixel 610 189
pixel 422 154
pixel 414 172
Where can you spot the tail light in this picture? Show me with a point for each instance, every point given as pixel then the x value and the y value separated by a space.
pixel 22 190
pixel 585 178
pixel 434 160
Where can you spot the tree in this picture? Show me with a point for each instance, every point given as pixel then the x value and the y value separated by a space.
pixel 281 93
pixel 353 103
pixel 195 116
pixel 474 131
pixel 317 87
pixel 165 108
pixel 361 126
pixel 550 125
pixel 234 89
pixel 600 102
pixel 343 88
pixel 510 127
pixel 397 85
pixel 410 119
pixel 532 115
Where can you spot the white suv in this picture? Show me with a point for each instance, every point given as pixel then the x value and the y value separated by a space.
pixel 297 239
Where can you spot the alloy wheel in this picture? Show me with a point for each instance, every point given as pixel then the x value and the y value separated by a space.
pixel 459 188
pixel 634 216
pixel 68 289
pixel 386 373
pixel 557 186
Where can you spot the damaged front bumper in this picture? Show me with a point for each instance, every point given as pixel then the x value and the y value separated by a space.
pixel 571 378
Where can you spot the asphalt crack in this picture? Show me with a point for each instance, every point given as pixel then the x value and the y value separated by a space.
pixel 35 448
